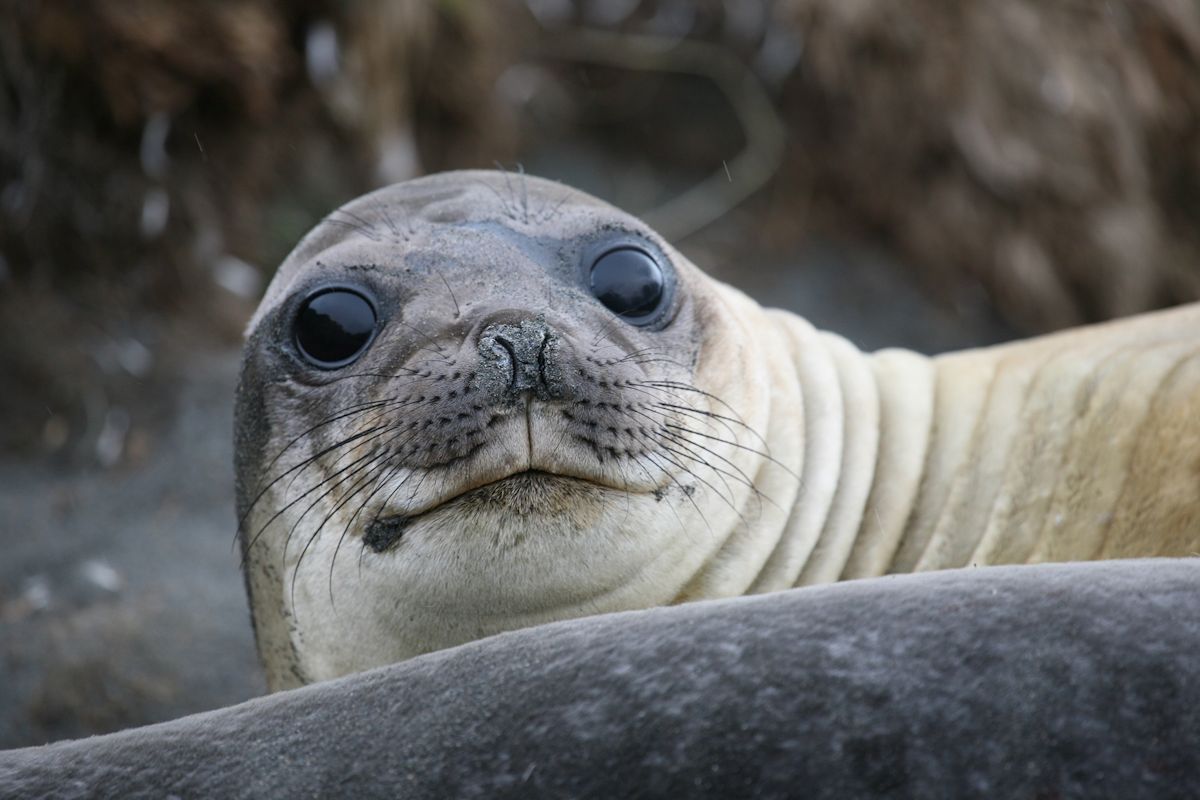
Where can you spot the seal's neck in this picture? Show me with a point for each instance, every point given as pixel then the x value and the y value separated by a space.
pixel 867 427
pixel 1074 446
pixel 846 436
pixel 1051 449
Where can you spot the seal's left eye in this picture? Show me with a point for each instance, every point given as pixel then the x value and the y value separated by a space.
pixel 334 327
pixel 629 283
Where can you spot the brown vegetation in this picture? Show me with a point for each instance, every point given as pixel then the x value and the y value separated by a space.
pixel 158 159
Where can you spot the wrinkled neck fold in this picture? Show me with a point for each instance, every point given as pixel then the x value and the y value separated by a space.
pixel 843 441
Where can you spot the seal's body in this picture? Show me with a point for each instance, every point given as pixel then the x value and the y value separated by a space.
pixel 477 402
pixel 1056 680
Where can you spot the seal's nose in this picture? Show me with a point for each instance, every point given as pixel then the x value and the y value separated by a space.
pixel 520 358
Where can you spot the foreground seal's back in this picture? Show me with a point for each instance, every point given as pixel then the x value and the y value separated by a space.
pixel 1076 681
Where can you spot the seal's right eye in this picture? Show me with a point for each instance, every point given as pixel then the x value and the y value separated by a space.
pixel 334 327
pixel 630 283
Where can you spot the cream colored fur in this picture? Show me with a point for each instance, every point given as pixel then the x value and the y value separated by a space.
pixel 1074 446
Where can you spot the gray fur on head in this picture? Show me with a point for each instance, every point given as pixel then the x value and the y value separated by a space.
pixel 542 427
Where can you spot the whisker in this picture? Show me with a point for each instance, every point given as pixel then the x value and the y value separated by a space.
pixel 389 406
pixel 727 500
pixel 365 481
pixel 437 348
pixel 650 478
pixel 457 311
pixel 378 433
pixel 682 489
pixel 302 465
pixel 689 388
pixel 524 192
pixel 738 445
pixel 361 230
pixel 740 475
pixel 380 484
pixel 391 225
pixel 362 408
pixel 355 467
pixel 367 475
pixel 366 223
pixel 281 511
pixel 553 212
pixel 736 420
pixel 699 415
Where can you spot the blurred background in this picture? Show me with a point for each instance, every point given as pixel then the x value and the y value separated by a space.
pixel 921 173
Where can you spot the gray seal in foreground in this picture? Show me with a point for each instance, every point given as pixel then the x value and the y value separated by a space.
pixel 476 402
pixel 1063 681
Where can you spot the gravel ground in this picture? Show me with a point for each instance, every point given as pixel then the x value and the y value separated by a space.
pixel 120 598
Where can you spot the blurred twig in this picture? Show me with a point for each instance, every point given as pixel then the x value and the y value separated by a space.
pixel 737 178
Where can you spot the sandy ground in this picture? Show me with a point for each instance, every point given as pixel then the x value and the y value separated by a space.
pixel 120 598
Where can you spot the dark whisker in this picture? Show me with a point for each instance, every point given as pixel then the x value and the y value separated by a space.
pixel 737 475
pixel 364 232
pixel 355 467
pixel 736 419
pixel 342 414
pixel 726 500
pixel 524 192
pixel 660 491
pixel 551 213
pixel 352 465
pixel 385 376
pixel 391 225
pixel 380 484
pixel 457 311
pixel 390 407
pixel 305 463
pixel 682 489
pixel 738 445
pixel 379 433
pixel 366 223
pixel 366 480
pixel 437 348
pixel 699 415
pixel 740 476
pixel 503 202
pixel 684 387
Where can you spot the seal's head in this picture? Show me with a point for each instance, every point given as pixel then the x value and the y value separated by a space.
pixel 474 402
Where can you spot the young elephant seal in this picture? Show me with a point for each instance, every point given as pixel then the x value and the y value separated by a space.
pixel 475 402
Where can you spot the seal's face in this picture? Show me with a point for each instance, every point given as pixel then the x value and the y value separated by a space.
pixel 470 404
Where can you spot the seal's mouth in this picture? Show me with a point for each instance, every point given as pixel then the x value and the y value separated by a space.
pixel 531 463
pixel 528 492
pixel 520 492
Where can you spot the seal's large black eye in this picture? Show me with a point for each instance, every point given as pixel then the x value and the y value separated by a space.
pixel 629 282
pixel 333 327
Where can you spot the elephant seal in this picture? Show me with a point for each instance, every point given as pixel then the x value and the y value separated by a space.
pixel 1053 680
pixel 475 402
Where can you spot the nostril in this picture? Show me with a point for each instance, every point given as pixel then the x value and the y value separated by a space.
pixel 506 345
pixel 521 358
pixel 541 357
pixel 504 348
